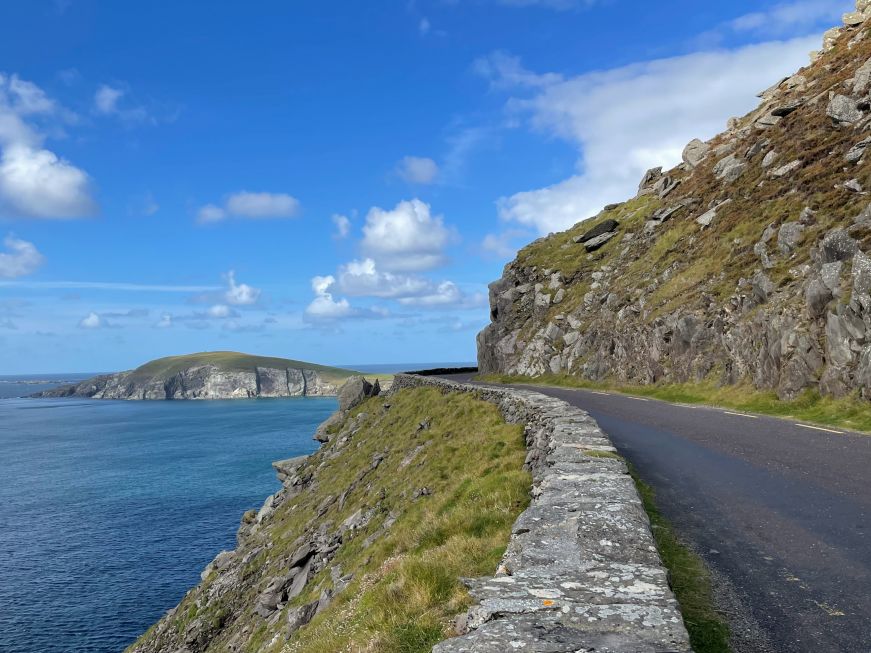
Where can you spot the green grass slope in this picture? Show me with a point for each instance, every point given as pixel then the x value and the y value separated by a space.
pixel 407 561
pixel 164 368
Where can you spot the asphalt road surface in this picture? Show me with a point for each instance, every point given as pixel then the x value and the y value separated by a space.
pixel 778 510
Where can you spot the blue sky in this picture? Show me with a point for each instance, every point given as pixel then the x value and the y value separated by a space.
pixel 335 182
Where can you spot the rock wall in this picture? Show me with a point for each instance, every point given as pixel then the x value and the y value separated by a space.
pixel 581 572
pixel 747 262
pixel 202 382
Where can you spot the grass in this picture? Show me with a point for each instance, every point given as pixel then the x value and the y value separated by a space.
pixel 852 413
pixel 231 360
pixel 689 579
pixel 408 560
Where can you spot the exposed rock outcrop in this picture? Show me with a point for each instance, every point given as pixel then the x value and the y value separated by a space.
pixel 201 382
pixel 210 375
pixel 763 280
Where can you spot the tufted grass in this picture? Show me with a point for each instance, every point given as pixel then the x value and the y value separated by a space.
pixel 851 413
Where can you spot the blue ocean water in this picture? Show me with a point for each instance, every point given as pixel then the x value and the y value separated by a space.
pixel 110 509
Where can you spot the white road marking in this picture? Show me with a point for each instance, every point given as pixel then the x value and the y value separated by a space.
pixel 819 428
pixel 729 412
pixel 604 394
pixel 638 398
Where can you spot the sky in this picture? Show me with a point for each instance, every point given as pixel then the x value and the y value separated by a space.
pixel 333 182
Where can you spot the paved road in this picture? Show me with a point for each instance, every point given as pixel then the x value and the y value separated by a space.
pixel 779 511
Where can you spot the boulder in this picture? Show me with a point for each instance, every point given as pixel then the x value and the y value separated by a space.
pixel 837 246
pixel 862 79
pixel 789 236
pixel 648 180
pixel 705 219
pixel 843 109
pixel 595 243
pixel 600 229
pixel 695 152
pixel 730 168
pixel 769 159
pixel 355 391
pixel 787 169
pixel 858 150
pixel 300 616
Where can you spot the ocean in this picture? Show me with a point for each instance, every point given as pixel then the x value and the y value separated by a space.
pixel 109 510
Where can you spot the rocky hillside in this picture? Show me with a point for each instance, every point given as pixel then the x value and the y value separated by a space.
pixel 211 375
pixel 364 546
pixel 748 262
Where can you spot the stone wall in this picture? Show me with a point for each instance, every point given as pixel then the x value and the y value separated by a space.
pixel 581 572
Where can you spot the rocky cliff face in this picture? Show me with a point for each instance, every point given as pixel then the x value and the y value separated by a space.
pixel 201 382
pixel 747 262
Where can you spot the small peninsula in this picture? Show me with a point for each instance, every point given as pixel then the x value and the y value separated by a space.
pixel 211 375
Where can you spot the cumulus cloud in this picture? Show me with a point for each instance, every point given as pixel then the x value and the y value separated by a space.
pixel 324 307
pixel 363 279
pixel 252 206
pixel 343 225
pixel 221 311
pixel 418 170
pixel 92 321
pixel 20 258
pixel 629 119
pixel 34 181
pixel 406 239
pixel 240 294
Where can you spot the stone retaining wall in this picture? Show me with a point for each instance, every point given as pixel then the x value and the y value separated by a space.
pixel 581 572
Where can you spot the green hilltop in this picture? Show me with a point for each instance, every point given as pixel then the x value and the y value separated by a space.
pixel 164 368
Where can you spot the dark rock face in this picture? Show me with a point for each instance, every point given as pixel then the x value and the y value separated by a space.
pixel 201 382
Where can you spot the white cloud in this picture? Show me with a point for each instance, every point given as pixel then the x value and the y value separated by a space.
pixel 251 205
pixel 503 244
pixel 629 119
pixel 35 182
pixel 107 285
pixel 221 311
pixel 363 279
pixel 324 307
pixel 240 294
pixel 92 321
pixel 165 321
pixel 504 70
pixel 424 26
pixel 418 170
pixel 447 293
pixel 789 18
pixel 210 213
pixel 106 99
pixel 343 225
pixel 20 259
pixel 408 238
pixel 107 102
pixel 262 205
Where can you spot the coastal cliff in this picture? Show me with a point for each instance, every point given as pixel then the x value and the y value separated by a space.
pixel 748 262
pixel 213 375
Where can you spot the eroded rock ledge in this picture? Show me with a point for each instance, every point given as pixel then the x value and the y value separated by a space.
pixel 581 572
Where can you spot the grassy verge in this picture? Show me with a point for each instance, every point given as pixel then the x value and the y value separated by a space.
pixel 851 413
pixel 689 579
